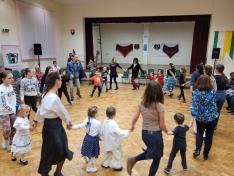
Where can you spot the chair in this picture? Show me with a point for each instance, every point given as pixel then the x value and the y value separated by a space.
pixel 151 70
pixel 16 74
pixel 143 77
pixel 125 76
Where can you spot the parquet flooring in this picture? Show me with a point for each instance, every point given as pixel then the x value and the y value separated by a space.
pixel 221 159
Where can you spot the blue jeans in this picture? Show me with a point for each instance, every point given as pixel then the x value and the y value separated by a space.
pixel 220 99
pixel 209 127
pixel 75 81
pixel 106 84
pixel 154 143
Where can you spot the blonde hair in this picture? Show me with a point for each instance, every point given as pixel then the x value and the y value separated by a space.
pixel 23 107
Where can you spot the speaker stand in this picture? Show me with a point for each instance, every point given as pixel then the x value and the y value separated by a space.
pixel 38 60
pixel 215 60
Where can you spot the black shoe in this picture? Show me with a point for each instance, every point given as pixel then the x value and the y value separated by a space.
pixel 184 101
pixel 70 102
pixel 105 167
pixel 79 96
pixel 13 157
pixel 58 174
pixel 196 153
pixel 179 97
pixel 110 88
pixel 230 111
pixel 24 163
pixel 228 108
pixel 134 88
pixel 116 88
pixel 72 99
pixel 120 169
pixel 167 171
pixel 106 90
pixel 91 95
pixel 205 157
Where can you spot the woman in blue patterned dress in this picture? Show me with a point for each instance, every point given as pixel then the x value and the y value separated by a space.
pixel 205 112
pixel 170 80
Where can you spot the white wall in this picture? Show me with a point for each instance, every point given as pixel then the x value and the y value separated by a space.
pixel 221 11
pixel 8 19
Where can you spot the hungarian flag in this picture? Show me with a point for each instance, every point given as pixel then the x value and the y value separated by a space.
pixel 224 41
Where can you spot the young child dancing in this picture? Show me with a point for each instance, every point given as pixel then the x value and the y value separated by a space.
pixel 179 142
pixel 97 83
pixel 63 88
pixel 182 81
pixel 104 78
pixel 160 77
pixel 21 143
pixel 111 134
pixel 90 147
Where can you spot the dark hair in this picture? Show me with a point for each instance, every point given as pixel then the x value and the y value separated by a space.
pixel 171 65
pixel 46 73
pixel 179 118
pixel 54 62
pixel 27 70
pixel 110 111
pixel 51 80
pixel 61 71
pixel 220 68
pixel 200 69
pixel 153 94
pixel 203 83
pixel 4 75
pixel 136 60
pixel 208 70
pixel 92 111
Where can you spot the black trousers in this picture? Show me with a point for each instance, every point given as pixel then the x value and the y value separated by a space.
pixel 63 90
pixel 173 153
pixel 182 92
pixel 116 84
pixel 31 101
pixel 99 90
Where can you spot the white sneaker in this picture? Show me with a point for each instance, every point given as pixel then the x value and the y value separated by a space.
pixel 4 144
pixel 91 169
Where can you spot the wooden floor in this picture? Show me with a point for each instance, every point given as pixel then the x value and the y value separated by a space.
pixel 220 163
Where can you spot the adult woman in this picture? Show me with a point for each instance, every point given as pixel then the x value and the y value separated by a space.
pixel 54 145
pixel 48 70
pixel 152 111
pixel 222 82
pixel 7 108
pixel 113 73
pixel 196 74
pixel 205 112
pixel 135 71
pixel 170 80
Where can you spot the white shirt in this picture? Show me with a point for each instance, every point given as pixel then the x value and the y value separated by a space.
pixel 7 100
pixel 22 125
pixel 55 68
pixel 111 134
pixel 51 108
pixel 93 130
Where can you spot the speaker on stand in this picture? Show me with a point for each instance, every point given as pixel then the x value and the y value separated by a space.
pixel 37 51
pixel 215 56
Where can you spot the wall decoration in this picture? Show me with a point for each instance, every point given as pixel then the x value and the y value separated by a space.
pixel 225 41
pixel 145 47
pixel 157 46
pixel 72 31
pixel 136 46
pixel 170 51
pixel 124 50
pixel 11 56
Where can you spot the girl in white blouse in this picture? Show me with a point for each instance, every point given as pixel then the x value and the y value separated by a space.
pixel 90 147
pixel 52 112
pixel 21 142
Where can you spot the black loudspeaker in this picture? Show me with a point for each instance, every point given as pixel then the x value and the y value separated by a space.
pixel 215 53
pixel 37 49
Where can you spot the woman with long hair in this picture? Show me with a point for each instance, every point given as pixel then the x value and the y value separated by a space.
pixel 205 112
pixel 170 80
pixel 152 110
pixel 48 70
pixel 54 139
pixel 113 73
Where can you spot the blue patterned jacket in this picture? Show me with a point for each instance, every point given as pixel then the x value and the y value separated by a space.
pixel 203 107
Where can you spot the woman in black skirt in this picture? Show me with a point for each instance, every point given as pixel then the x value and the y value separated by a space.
pixel 54 139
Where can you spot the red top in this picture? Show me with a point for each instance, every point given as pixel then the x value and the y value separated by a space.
pixel 151 77
pixel 161 79
pixel 97 80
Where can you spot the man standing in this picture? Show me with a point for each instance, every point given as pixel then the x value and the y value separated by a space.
pixel 74 68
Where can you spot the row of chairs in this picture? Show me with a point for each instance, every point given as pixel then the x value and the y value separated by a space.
pixel 142 77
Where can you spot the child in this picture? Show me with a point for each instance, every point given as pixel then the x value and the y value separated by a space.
pixel 182 78
pixel 63 88
pixel 111 134
pixel 160 77
pixel 179 142
pixel 104 78
pixel 21 142
pixel 29 89
pixel 151 76
pixel 97 81
pixel 7 109
pixel 90 147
